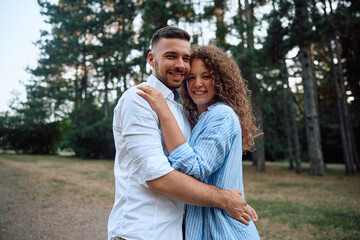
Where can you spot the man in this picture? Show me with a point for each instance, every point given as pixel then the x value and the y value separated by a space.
pixel 149 193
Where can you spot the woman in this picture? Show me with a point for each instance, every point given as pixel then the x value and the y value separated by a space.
pixel 217 103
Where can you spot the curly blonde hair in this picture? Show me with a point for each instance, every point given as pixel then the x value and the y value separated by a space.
pixel 230 88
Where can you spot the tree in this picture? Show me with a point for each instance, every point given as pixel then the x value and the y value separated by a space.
pixel 349 41
pixel 113 41
pixel 156 14
pixel 275 48
pixel 30 129
pixel 247 57
pixel 331 35
pixel 301 30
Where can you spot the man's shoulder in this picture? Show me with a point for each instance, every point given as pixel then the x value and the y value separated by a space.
pixel 131 92
pixel 130 96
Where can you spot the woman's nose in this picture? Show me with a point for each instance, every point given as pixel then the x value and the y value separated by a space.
pixel 198 82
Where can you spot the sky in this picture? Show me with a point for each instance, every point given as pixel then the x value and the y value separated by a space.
pixel 20 24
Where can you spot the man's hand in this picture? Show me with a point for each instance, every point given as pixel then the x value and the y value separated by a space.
pixel 236 207
pixel 252 213
pixel 186 189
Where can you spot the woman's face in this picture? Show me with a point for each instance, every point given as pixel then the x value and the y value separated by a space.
pixel 200 85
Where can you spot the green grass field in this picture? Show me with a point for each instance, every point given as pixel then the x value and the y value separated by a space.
pixel 289 205
pixel 293 206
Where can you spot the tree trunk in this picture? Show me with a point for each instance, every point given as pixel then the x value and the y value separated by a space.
pixel 221 28
pixel 311 113
pixel 106 95
pixel 77 97
pixel 259 154
pixel 287 130
pixel 349 167
pixel 347 134
pixel 249 18
pixel 84 78
pixel 241 23
pixel 349 128
pixel 289 109
pixel 295 136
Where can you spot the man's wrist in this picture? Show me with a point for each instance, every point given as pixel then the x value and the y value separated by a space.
pixel 220 197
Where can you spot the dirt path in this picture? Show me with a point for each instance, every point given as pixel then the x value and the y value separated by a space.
pixel 39 202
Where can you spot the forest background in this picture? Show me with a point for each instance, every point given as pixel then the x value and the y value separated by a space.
pixel 300 59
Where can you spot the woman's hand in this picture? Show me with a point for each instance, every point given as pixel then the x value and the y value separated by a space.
pixel 252 213
pixel 155 99
pixel 170 129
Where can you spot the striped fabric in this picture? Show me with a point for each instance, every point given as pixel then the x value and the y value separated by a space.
pixel 214 156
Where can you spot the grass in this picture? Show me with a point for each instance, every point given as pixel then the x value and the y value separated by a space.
pixel 290 205
pixel 66 175
pixel 298 206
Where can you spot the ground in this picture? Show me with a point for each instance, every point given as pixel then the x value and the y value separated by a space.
pixel 41 202
pixel 57 197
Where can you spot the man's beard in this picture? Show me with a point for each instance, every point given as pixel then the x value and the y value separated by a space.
pixel 158 75
pixel 163 79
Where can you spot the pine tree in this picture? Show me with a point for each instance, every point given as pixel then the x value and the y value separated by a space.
pixel 301 30
pixel 247 55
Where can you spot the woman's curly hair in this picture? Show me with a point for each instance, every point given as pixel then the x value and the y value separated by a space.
pixel 230 88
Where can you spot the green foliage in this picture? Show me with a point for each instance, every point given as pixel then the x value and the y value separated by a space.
pixel 95 51
pixel 3 131
pixel 30 129
pixel 273 116
pixel 90 134
pixel 40 138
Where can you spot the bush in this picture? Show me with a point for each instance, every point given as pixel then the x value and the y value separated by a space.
pixel 42 138
pixel 90 133
pixel 94 140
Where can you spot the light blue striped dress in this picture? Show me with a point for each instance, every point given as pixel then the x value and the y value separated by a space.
pixel 214 156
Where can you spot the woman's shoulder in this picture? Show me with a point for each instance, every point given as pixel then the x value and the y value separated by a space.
pixel 222 112
pixel 221 109
pixel 222 116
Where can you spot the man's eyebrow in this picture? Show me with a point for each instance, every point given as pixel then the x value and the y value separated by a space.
pixel 176 53
pixel 171 53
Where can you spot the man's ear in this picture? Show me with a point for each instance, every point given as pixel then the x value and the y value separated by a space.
pixel 150 58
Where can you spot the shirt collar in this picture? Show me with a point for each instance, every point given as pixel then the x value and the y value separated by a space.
pixel 161 87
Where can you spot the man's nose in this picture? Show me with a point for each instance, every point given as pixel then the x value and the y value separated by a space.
pixel 179 64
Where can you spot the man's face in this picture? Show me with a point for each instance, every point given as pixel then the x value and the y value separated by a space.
pixel 170 60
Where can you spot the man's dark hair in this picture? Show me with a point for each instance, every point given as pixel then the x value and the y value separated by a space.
pixel 169 32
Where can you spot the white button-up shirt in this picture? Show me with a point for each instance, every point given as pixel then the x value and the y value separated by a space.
pixel 139 213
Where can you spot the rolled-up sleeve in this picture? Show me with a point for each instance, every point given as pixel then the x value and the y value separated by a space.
pixel 207 152
pixel 142 136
